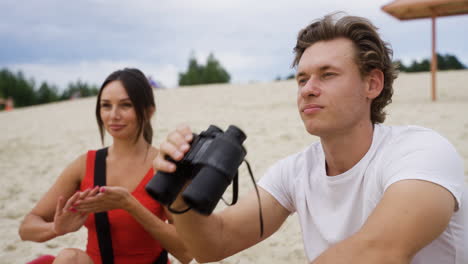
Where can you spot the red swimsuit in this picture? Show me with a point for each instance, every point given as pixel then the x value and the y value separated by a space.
pixel 130 242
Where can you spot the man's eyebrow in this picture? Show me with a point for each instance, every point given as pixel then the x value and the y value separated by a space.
pixel 321 69
pixel 300 74
pixel 326 67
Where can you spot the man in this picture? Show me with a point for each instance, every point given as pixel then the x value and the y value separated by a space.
pixel 366 193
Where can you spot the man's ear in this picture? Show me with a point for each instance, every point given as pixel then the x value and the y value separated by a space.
pixel 375 83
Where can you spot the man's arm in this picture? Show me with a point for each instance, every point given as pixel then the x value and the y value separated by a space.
pixel 220 235
pixel 411 214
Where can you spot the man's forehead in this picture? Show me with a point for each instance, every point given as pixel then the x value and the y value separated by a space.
pixel 328 53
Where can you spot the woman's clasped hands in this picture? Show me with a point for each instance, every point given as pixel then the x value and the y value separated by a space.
pixel 72 214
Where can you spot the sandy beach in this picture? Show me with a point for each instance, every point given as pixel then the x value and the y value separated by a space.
pixel 36 143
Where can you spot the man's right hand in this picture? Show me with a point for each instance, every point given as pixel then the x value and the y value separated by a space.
pixel 176 146
pixel 222 234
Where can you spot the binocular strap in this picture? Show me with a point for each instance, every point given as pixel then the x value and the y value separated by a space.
pixel 260 214
pixel 235 190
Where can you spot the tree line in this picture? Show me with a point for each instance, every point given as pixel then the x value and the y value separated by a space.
pixel 25 92
pixel 211 72
pixel 444 62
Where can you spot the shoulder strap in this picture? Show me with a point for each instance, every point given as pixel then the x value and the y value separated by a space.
pixel 162 259
pixel 102 219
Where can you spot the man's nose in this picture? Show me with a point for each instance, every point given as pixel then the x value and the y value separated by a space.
pixel 311 88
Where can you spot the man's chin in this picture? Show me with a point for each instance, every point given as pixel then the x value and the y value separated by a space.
pixel 312 130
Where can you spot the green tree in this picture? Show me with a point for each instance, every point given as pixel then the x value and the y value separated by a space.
pixel 47 94
pixel 17 87
pixel 212 72
pixel 78 89
pixel 194 73
pixel 444 62
pixel 453 63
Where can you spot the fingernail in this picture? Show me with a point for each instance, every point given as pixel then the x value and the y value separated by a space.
pixel 178 154
pixel 172 167
pixel 102 189
pixel 188 137
pixel 73 209
pixel 185 147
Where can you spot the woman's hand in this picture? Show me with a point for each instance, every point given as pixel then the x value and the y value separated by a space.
pixel 67 219
pixel 108 198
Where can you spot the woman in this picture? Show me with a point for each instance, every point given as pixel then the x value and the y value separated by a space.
pixel 139 233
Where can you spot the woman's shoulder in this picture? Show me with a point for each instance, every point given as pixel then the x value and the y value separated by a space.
pixel 78 166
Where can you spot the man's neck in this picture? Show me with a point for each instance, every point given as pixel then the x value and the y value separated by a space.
pixel 345 149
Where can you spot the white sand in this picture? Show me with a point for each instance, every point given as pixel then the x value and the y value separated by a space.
pixel 36 143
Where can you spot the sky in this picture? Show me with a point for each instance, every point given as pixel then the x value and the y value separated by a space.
pixel 63 41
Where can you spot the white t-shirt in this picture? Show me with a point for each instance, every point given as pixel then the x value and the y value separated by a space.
pixel 331 209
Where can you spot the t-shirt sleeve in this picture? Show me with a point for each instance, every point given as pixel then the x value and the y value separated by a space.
pixel 279 185
pixel 425 155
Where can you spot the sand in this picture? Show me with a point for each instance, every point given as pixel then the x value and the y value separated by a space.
pixel 36 143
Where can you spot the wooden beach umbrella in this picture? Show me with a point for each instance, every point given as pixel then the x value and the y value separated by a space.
pixel 414 9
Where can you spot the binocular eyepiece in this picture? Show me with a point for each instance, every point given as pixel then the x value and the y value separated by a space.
pixel 211 164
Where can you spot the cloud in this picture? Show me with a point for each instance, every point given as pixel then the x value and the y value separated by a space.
pixel 93 72
pixel 61 41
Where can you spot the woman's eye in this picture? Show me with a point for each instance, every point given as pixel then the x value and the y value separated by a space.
pixel 127 105
pixel 105 105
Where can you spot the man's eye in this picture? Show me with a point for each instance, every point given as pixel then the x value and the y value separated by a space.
pixel 329 74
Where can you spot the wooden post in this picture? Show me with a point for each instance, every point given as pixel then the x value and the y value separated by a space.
pixel 434 59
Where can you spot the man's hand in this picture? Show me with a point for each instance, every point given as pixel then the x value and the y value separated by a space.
pixel 176 146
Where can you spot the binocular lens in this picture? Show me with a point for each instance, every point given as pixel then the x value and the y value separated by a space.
pixel 235 133
pixel 165 187
pixel 205 191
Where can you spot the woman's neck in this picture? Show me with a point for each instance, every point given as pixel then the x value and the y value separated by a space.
pixel 128 148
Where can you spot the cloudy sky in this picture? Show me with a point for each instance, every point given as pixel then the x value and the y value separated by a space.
pixel 61 41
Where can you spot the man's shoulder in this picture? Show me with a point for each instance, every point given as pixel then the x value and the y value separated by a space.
pixel 415 143
pixel 312 150
pixel 301 162
pixel 410 136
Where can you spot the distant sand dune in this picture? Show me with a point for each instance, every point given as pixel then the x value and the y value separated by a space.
pixel 38 142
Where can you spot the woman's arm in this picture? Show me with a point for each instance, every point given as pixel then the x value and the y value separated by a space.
pixel 39 224
pixel 116 197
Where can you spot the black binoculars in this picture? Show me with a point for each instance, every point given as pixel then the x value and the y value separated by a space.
pixel 211 163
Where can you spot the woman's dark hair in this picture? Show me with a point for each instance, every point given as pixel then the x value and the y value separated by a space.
pixel 141 95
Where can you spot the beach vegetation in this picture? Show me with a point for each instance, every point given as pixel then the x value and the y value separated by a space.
pixel 444 62
pixel 211 72
pixel 24 91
